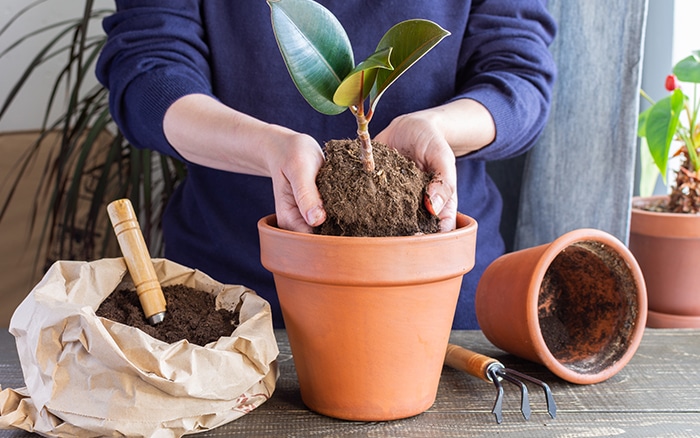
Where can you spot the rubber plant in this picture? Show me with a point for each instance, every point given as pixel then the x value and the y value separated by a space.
pixel 91 163
pixel 675 118
pixel 319 57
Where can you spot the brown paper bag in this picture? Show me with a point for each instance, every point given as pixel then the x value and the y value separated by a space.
pixel 89 376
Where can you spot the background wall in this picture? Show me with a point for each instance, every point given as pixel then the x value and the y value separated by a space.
pixel 672 34
pixel 28 107
pixel 18 247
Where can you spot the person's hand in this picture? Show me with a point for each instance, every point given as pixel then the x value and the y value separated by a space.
pixel 237 142
pixel 417 136
pixel 293 166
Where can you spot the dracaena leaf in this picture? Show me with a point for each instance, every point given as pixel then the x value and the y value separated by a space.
pixel 661 125
pixel 410 40
pixel 357 85
pixel 315 48
pixel 688 69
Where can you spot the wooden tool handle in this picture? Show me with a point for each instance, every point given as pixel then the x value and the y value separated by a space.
pixel 138 260
pixel 468 361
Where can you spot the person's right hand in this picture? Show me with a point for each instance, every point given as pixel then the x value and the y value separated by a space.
pixel 206 132
pixel 293 165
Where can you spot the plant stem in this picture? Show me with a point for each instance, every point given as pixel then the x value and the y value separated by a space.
pixel 690 140
pixel 365 144
pixel 646 96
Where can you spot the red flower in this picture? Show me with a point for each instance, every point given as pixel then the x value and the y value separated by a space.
pixel 671 82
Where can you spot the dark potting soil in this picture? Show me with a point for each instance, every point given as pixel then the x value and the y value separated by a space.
pixel 190 315
pixel 387 202
pixel 587 306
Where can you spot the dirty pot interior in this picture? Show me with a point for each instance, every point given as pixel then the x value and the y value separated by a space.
pixel 576 305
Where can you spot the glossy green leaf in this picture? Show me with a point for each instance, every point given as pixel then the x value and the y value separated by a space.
pixel 642 123
pixel 660 128
pixel 315 48
pixel 688 69
pixel 358 84
pixel 410 41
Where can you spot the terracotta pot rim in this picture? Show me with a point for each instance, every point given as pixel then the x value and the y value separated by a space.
pixel 405 254
pixel 671 320
pixel 546 259
pixel 638 201
pixel 470 225
pixel 662 224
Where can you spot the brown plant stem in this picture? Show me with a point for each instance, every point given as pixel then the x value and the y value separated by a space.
pixel 365 143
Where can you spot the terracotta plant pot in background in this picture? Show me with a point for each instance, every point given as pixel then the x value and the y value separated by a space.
pixel 368 318
pixel 577 305
pixel 667 247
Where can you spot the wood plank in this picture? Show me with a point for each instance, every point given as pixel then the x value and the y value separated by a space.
pixel 657 394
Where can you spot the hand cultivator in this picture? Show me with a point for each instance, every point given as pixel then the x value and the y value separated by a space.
pixel 493 371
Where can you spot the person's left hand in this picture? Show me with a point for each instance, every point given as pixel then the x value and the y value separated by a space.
pixel 416 135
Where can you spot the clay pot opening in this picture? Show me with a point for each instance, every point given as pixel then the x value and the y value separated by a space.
pixel 588 306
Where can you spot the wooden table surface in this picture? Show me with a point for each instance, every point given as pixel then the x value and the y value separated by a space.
pixel 657 394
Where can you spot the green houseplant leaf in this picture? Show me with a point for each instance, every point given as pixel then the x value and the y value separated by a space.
pixel 660 123
pixel 357 85
pixel 318 56
pixel 688 69
pixel 410 41
pixel 315 48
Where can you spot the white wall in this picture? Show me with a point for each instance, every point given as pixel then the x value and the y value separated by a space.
pixel 686 32
pixel 27 110
pixel 671 34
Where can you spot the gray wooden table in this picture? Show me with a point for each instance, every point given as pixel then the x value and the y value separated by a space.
pixel 657 394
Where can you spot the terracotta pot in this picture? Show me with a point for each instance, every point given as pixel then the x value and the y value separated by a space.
pixel 368 318
pixel 667 247
pixel 576 305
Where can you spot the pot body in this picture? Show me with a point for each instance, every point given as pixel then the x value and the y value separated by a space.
pixel 576 305
pixel 368 318
pixel 667 247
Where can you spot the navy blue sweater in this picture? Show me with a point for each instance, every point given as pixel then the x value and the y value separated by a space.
pixel 160 51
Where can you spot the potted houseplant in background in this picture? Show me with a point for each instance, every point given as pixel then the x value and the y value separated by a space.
pixel 90 162
pixel 368 317
pixel 665 230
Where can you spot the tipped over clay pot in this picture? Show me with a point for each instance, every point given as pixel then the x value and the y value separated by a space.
pixel 577 305
pixel 368 318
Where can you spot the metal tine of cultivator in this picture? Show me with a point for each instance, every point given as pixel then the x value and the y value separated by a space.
pixel 497 372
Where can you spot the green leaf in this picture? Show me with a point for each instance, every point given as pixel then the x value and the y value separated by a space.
pixel 642 123
pixel 649 173
pixel 410 40
pixel 688 69
pixel 357 85
pixel 661 125
pixel 315 48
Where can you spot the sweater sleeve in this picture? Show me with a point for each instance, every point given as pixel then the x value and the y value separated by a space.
pixel 155 53
pixel 506 65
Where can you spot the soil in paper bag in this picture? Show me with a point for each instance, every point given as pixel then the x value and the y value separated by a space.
pixel 190 315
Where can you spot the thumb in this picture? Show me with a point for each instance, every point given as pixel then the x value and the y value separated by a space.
pixel 310 204
pixel 440 201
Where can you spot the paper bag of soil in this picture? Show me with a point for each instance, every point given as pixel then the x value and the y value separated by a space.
pixel 89 376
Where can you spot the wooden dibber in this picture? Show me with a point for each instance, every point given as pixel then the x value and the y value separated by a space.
pixel 138 260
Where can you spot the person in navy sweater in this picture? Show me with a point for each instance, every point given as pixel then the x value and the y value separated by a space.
pixel 203 81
